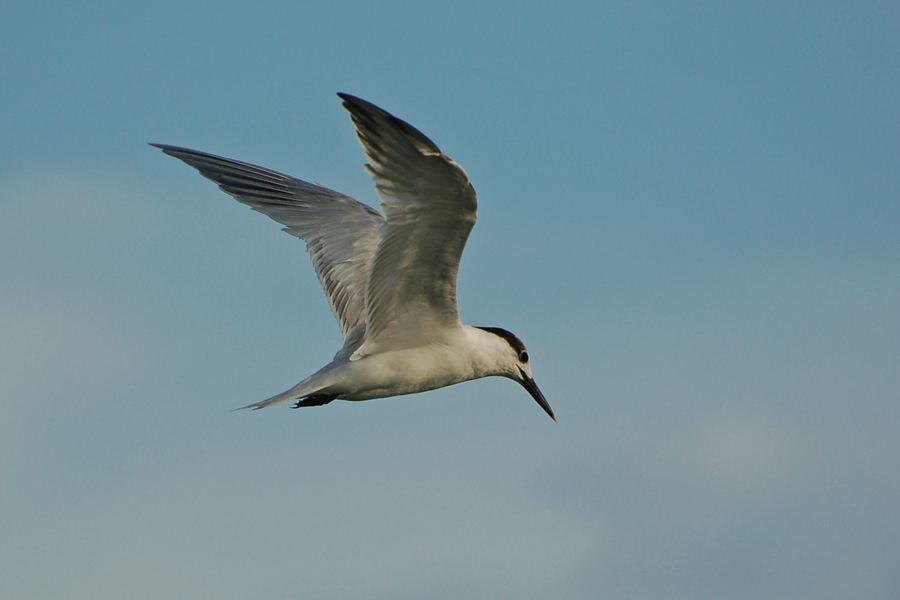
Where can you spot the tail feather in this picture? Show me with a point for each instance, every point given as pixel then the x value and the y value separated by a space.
pixel 301 390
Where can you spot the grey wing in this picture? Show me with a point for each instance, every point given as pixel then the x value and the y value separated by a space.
pixel 430 208
pixel 341 233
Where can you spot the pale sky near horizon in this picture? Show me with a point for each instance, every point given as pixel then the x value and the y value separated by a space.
pixel 689 213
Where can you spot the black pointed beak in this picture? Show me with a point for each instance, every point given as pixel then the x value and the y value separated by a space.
pixel 529 384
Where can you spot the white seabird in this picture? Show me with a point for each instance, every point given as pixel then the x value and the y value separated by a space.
pixel 390 278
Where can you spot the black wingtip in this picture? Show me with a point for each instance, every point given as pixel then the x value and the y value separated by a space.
pixel 350 98
pixel 358 106
pixel 166 148
pixel 366 115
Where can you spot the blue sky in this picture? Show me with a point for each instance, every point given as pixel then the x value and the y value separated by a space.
pixel 689 212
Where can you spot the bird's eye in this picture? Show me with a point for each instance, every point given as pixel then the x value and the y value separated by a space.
pixel 523 357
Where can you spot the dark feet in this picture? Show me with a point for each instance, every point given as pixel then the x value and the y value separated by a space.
pixel 316 400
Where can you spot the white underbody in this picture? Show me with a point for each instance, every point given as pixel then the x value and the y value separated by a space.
pixel 460 354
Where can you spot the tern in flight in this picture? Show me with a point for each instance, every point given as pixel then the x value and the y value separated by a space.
pixel 390 277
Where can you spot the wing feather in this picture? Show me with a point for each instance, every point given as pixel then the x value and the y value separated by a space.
pixel 341 234
pixel 430 207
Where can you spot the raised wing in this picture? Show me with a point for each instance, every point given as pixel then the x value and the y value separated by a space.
pixel 341 234
pixel 430 209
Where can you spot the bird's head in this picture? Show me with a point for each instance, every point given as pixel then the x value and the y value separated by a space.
pixel 515 364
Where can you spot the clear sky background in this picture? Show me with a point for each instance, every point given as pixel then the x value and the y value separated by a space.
pixel 688 211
